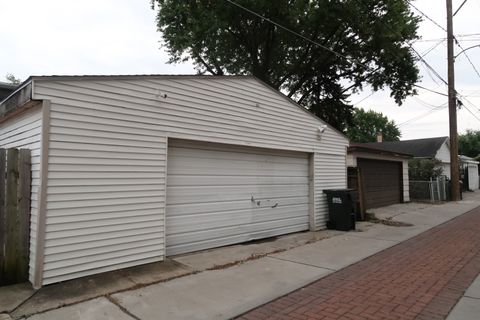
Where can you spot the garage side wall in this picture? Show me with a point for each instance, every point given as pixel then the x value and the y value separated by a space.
pixel 330 173
pixel 107 158
pixel 25 132
pixel 106 194
pixel 406 181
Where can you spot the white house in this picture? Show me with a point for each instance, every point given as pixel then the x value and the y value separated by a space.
pixel 129 169
pixel 469 169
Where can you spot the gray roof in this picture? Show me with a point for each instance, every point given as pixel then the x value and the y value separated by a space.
pixel 421 148
pixel 6 85
pixel 6 89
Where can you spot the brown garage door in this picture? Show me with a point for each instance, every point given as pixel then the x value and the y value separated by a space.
pixel 382 182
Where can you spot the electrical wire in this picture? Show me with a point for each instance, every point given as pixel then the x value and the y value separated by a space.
pixel 426 16
pixel 336 53
pixel 432 48
pixel 457 42
pixel 456 11
pixel 423 115
pixel 371 94
pixel 299 35
pixel 433 91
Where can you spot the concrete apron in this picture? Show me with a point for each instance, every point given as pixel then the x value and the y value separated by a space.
pixel 238 280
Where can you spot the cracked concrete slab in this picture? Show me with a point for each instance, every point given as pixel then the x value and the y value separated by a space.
pixel 219 294
pixel 69 292
pixel 213 258
pixel 335 253
pixel 14 295
pixel 96 309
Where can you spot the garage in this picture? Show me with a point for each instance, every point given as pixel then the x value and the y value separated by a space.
pixel 382 181
pixel 219 195
pixel 379 175
pixel 130 169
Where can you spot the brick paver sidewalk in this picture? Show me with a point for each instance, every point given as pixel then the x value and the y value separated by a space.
pixel 421 278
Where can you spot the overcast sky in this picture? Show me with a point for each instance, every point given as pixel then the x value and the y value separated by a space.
pixel 51 37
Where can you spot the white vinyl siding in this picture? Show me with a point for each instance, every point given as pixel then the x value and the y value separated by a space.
pixel 109 134
pixel 330 172
pixel 105 196
pixel 25 132
pixel 443 154
pixel 219 195
pixel 472 176
pixel 406 181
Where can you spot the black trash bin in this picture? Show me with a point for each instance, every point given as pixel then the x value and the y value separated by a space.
pixel 341 209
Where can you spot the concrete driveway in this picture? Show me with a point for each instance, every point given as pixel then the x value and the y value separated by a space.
pixel 227 282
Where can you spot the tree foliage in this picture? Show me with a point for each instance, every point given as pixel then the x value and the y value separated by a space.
pixel 366 125
pixel 12 79
pixel 469 143
pixel 424 169
pixel 221 38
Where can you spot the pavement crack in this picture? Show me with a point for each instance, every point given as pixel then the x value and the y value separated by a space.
pixel 470 297
pixel 372 238
pixel 302 263
pixel 122 308
pixel 25 301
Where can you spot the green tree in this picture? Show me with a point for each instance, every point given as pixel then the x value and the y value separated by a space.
pixel 12 79
pixel 221 38
pixel 366 125
pixel 469 143
pixel 424 169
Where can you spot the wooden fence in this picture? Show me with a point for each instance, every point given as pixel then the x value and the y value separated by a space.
pixel 15 184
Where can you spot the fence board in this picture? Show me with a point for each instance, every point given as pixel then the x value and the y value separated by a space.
pixel 15 184
pixel 24 195
pixel 3 232
pixel 11 222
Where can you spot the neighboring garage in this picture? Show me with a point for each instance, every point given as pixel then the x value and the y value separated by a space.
pixel 380 175
pixel 382 181
pixel 129 169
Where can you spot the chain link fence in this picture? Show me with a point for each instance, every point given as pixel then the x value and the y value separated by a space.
pixel 435 190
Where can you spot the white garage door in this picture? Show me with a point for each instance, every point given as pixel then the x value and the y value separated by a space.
pixel 219 195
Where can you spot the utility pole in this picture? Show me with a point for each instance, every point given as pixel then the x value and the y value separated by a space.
pixel 452 108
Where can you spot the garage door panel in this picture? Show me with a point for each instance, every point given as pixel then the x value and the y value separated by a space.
pixel 382 182
pixel 218 242
pixel 242 156
pixel 258 230
pixel 219 195
pixel 219 180
pixel 221 219
pixel 213 170
pixel 181 195
pixel 199 208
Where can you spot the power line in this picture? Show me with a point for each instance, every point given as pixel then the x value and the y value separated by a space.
pixel 468 58
pixel 430 90
pixel 454 37
pixel 459 7
pixel 423 115
pixel 371 94
pixel 432 48
pixel 299 35
pixel 426 16
pixel 471 113
pixel 336 53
